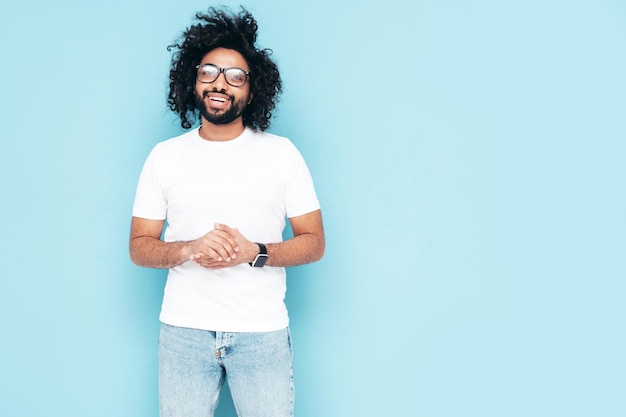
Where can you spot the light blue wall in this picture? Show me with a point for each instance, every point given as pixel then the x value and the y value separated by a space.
pixel 469 156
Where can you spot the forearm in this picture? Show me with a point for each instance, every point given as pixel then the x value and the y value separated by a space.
pixel 154 253
pixel 299 250
pixel 306 246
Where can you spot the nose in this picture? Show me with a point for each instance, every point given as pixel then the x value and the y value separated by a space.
pixel 220 82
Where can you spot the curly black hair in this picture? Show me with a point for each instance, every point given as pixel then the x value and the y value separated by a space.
pixel 220 28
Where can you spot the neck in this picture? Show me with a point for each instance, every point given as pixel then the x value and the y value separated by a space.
pixel 221 133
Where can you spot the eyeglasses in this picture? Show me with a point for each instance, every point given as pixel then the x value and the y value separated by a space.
pixel 207 73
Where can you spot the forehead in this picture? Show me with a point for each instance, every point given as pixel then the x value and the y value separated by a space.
pixel 225 58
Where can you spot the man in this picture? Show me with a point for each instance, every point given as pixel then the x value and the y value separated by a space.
pixel 225 189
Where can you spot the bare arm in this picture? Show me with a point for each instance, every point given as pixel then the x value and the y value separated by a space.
pixel 306 246
pixel 147 249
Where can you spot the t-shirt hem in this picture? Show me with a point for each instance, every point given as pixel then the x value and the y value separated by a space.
pixel 301 211
pixel 234 327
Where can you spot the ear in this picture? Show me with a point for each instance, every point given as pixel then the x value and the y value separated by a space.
pixel 250 99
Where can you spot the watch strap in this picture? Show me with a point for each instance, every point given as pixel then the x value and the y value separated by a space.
pixel 261 258
pixel 262 248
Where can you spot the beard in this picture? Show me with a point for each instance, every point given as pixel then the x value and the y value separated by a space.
pixel 235 111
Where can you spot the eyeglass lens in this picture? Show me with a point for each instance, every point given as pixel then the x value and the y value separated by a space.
pixel 209 73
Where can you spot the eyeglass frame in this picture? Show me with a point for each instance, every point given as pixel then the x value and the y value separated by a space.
pixel 221 70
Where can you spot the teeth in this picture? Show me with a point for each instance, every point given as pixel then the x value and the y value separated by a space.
pixel 221 100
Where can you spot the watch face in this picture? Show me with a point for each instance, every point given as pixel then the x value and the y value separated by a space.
pixel 260 260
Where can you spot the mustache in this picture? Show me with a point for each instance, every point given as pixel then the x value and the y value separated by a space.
pixel 205 93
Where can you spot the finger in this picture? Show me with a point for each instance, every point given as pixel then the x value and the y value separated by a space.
pixel 224 251
pixel 230 232
pixel 210 263
pixel 203 259
pixel 226 242
pixel 215 251
pixel 220 226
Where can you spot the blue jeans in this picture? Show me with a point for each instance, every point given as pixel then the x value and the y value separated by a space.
pixel 193 365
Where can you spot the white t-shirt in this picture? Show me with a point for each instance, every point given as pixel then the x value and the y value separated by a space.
pixel 253 183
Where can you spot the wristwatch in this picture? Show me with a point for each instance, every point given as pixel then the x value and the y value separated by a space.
pixel 261 258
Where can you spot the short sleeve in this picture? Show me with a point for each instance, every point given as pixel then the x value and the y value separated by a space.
pixel 300 195
pixel 150 202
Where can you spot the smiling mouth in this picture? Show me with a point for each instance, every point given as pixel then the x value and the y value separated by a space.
pixel 217 97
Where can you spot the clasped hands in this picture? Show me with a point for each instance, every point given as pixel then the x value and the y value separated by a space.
pixel 222 247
